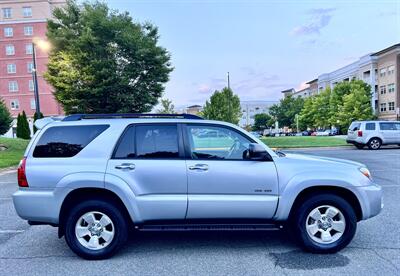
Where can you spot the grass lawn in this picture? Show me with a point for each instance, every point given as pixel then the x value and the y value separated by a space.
pixel 303 142
pixel 14 152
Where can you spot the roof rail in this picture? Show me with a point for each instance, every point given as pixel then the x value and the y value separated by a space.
pixel 77 117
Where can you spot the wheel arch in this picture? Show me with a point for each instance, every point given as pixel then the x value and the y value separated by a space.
pixel 344 193
pixel 87 193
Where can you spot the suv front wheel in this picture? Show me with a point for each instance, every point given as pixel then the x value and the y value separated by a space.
pixel 95 229
pixel 324 223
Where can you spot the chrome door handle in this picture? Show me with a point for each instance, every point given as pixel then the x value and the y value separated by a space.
pixel 125 166
pixel 199 167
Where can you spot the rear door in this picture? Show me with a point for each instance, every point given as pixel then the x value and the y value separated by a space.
pixel 150 158
pixel 389 132
pixel 221 182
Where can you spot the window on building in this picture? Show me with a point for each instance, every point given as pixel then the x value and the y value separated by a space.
pixel 391 106
pixel 14 104
pixel 29 66
pixel 12 86
pixel 33 104
pixel 11 68
pixel 382 72
pixel 383 89
pixel 391 88
pixel 29 49
pixel 27 11
pixel 391 70
pixel 8 32
pixel 31 85
pixel 7 13
pixel 10 50
pixel 383 107
pixel 28 30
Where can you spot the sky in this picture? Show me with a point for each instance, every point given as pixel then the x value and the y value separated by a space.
pixel 266 46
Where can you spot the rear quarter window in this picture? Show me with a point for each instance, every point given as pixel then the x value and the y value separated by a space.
pixel 66 141
pixel 370 126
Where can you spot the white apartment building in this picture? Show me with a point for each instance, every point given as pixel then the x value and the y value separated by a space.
pixel 251 108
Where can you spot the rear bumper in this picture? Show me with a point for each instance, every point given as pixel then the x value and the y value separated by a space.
pixel 37 206
pixel 357 141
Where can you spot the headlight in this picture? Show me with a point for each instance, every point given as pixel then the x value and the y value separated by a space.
pixel 365 172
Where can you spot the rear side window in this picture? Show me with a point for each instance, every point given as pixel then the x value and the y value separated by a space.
pixel 370 126
pixel 148 142
pixel 355 126
pixel 388 126
pixel 157 141
pixel 66 141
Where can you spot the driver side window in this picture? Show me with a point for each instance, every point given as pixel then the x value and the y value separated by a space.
pixel 216 143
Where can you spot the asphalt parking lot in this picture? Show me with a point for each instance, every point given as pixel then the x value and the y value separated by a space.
pixel 36 250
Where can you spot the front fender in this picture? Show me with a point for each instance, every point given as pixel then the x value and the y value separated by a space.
pixel 298 183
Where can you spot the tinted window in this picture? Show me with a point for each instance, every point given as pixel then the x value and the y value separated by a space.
pixel 208 142
pixel 388 126
pixel 355 126
pixel 370 126
pixel 126 147
pixel 66 141
pixel 157 141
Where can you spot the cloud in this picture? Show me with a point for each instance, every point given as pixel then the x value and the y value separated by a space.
pixel 319 19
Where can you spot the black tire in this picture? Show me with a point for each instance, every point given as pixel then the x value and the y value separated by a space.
pixel 299 220
pixel 374 143
pixel 359 146
pixel 96 205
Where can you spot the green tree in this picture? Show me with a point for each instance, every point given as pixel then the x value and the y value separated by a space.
pixel 36 117
pixel 321 109
pixel 102 62
pixel 167 107
pixel 262 121
pixel 285 111
pixel 23 130
pixel 356 105
pixel 5 118
pixel 307 114
pixel 223 106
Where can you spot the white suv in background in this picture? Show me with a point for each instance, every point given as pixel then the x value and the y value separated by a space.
pixel 373 134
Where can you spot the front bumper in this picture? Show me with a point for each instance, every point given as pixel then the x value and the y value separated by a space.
pixel 371 199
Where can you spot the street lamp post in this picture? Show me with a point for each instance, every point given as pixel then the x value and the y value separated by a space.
pixel 35 81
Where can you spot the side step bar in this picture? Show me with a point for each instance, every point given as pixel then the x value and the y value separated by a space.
pixel 210 227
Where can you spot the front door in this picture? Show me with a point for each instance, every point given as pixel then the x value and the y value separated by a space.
pixel 150 159
pixel 221 182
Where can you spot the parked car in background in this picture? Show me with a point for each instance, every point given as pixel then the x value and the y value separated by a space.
pixel 373 134
pixel 256 134
pixel 98 177
pixel 323 133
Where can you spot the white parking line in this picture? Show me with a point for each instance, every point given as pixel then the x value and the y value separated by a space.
pixel 11 231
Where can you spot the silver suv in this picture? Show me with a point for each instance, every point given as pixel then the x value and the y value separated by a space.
pixel 373 134
pixel 97 176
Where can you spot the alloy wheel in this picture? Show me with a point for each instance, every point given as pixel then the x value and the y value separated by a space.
pixel 325 224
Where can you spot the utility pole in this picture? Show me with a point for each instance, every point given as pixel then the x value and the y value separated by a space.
pixel 229 83
pixel 35 81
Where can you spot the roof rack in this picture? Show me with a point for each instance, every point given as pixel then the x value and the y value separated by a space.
pixel 77 117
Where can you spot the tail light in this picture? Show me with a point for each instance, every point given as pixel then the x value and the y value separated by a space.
pixel 359 133
pixel 22 181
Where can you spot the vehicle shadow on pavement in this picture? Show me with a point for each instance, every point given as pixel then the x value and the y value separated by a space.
pixel 276 245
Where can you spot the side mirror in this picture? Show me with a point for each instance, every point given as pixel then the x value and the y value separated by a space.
pixel 257 152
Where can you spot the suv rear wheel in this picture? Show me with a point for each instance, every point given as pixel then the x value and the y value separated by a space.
pixel 95 229
pixel 324 223
pixel 374 143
